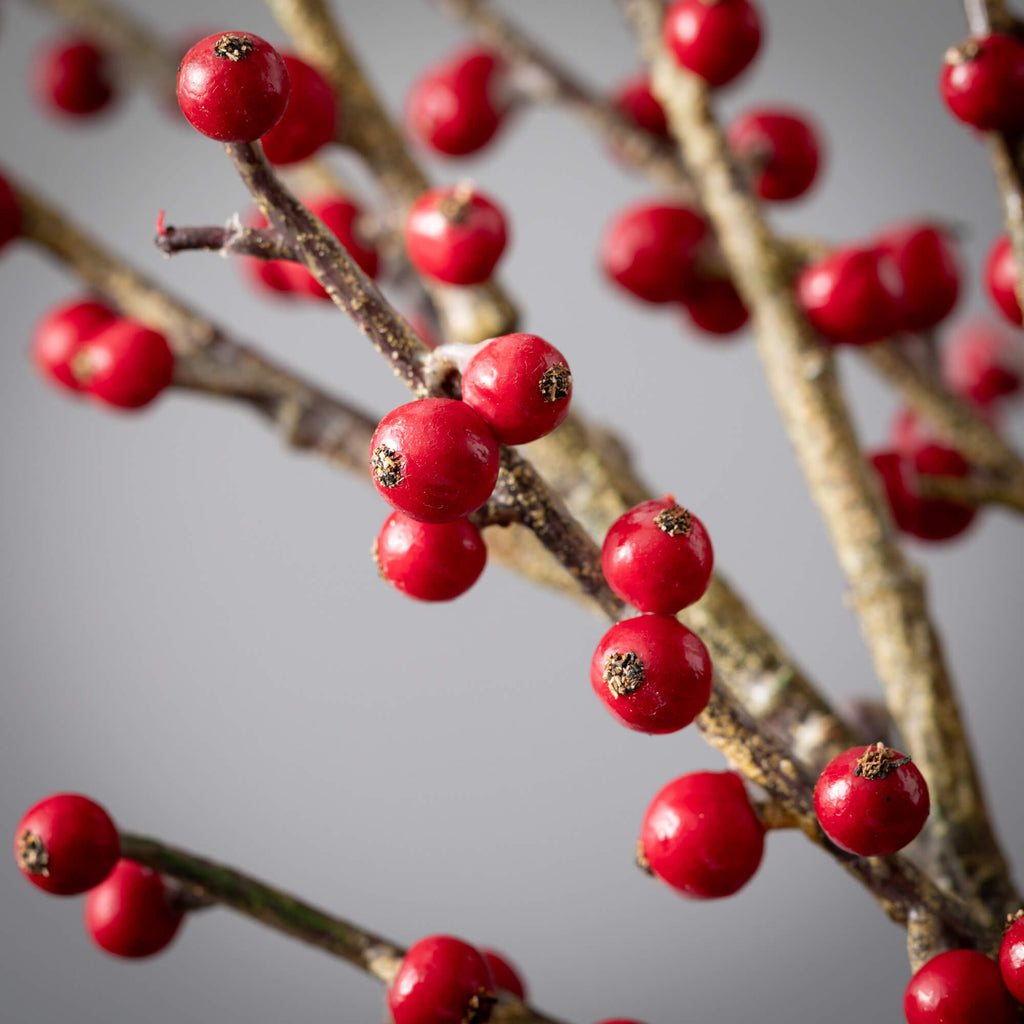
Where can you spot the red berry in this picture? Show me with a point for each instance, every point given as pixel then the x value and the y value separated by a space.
pixel 429 561
pixel 309 120
pixel 781 150
pixel 66 844
pixel 457 107
pixel 851 296
pixel 455 235
pixel 982 83
pixel 61 333
pixel 125 365
pixel 650 249
pixel 959 987
pixel 71 76
pixel 10 213
pixel 702 836
pixel 982 362
pixel 131 913
pixel 635 99
pixel 520 385
pixel 715 39
pixel 442 980
pixel 1011 958
pixel 435 459
pixel 233 86
pixel 658 557
pixel 871 801
pixel 506 977
pixel 925 259
pixel 1001 279
pixel 715 306
pixel 652 673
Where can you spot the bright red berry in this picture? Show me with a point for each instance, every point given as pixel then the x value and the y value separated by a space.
pixel 658 556
pixel 635 99
pixel 652 673
pixel 982 83
pixel 506 977
pixel 715 39
pixel 71 76
pixel 457 107
pixel 61 333
pixel 520 385
pixel 962 986
pixel 780 149
pixel 851 296
pixel 10 213
pixel 429 561
pixel 66 844
pixel 442 980
pixel 715 307
pixel 125 365
pixel 435 459
pixel 233 86
pixel 983 362
pixel 309 120
pixel 1011 957
pixel 132 913
pixel 925 260
pixel 651 249
pixel 702 836
pixel 1001 279
pixel 871 801
pixel 455 235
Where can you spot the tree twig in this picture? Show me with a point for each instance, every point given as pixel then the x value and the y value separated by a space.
pixel 231 239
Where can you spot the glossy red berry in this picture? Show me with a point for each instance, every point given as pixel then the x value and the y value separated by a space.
pixel 429 561
pixel 652 673
pixel 435 459
pixel 871 801
pixel 66 844
pixel 851 296
pixel 506 977
pixel 1011 957
pixel 780 149
pixel 10 213
pixel 650 250
pixel 715 307
pixel 982 83
pixel 702 836
pixel 457 107
pixel 658 556
pixel 61 333
pixel 309 120
pixel 520 385
pixel 715 39
pixel 442 980
pixel 983 362
pixel 962 986
pixel 1001 279
pixel 131 913
pixel 125 365
pixel 635 99
pixel 233 86
pixel 925 260
pixel 71 77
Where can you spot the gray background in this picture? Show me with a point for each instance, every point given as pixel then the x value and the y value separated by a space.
pixel 194 634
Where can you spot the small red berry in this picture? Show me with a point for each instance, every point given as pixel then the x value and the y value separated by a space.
pixel 635 99
pixel 851 296
pixel 962 986
pixel 429 561
pixel 457 107
pixel 650 250
pixel 652 673
pixel 506 977
pixel 442 980
pixel 66 844
pixel 781 150
pixel 10 213
pixel 702 836
pixel 715 39
pixel 925 260
pixel 125 365
pixel 61 333
pixel 715 307
pixel 131 913
pixel 1001 279
pixel 435 459
pixel 871 801
pixel 982 83
pixel 1011 957
pixel 71 76
pixel 455 235
pixel 309 120
pixel 982 362
pixel 658 557
pixel 233 86
pixel 520 385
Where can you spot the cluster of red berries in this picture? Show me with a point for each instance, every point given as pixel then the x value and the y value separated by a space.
pixel 436 461
pixel 67 845
pixel 72 76
pixel 84 346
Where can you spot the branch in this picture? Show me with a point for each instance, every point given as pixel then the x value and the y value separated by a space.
pixel 232 239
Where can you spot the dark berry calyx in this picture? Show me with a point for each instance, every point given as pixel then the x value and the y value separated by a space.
pixel 1012 919
pixel 641 859
pixel 33 857
pixel 478 1009
pixel 962 53
pixel 675 520
pixel 876 762
pixel 555 383
pixel 233 48
pixel 386 466
pixel 624 672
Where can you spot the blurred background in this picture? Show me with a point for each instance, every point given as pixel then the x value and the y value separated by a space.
pixel 193 631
